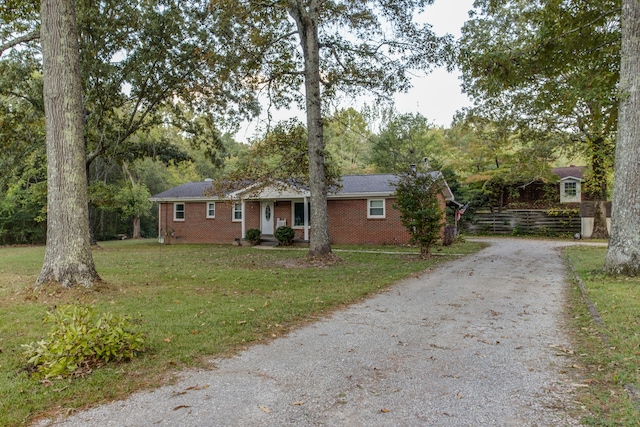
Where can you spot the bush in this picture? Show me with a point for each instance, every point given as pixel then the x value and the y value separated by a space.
pixel 419 206
pixel 252 235
pixel 80 341
pixel 285 235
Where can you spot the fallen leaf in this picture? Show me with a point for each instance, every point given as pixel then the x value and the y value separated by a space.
pixel 242 322
pixel 265 409
pixel 198 387
pixel 181 407
pixel 167 340
pixel 385 410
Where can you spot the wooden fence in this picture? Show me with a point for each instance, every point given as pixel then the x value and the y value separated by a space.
pixel 523 222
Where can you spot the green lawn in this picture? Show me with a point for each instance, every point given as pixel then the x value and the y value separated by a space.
pixel 192 302
pixel 611 366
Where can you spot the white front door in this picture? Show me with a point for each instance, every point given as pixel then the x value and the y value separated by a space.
pixel 266 223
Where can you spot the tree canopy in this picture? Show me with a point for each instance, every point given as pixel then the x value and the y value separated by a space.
pixel 549 66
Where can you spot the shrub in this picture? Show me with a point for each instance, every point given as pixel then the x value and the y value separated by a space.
pixel 80 341
pixel 252 235
pixel 419 206
pixel 285 235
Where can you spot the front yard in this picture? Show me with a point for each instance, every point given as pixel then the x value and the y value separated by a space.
pixel 193 302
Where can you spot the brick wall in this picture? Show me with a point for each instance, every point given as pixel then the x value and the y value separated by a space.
pixel 348 223
pixel 197 228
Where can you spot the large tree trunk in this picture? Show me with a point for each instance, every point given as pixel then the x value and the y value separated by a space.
pixel 68 259
pixel 307 24
pixel 623 255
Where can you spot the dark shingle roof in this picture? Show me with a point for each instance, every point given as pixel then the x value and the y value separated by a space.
pixel 573 171
pixel 361 184
pixel 189 190
pixel 351 184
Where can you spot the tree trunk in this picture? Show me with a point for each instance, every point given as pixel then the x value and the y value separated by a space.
pixel 623 255
pixel 307 24
pixel 599 186
pixel 68 259
pixel 136 232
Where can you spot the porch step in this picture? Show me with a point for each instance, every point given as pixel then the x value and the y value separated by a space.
pixel 268 240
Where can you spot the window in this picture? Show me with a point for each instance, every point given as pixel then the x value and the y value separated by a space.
pixel 237 212
pixel 570 189
pixel 375 208
pixel 178 211
pixel 298 213
pixel 211 209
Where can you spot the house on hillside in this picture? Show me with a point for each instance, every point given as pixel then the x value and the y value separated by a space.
pixel 360 212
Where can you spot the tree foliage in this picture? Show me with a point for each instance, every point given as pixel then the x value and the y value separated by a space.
pixel 419 206
pixel 549 66
pixel 405 139
pixel 348 140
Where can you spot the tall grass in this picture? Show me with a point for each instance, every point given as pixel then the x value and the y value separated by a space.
pixel 194 303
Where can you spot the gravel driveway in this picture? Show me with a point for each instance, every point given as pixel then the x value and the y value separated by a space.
pixel 476 342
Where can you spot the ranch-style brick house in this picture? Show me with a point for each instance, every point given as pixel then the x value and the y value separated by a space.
pixel 360 212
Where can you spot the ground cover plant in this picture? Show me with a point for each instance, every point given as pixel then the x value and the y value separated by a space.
pixel 192 302
pixel 609 352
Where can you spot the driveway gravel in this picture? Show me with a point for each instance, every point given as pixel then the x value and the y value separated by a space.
pixel 478 341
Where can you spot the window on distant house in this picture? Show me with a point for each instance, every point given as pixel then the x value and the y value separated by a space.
pixel 570 189
pixel 298 213
pixel 211 209
pixel 375 208
pixel 178 211
pixel 237 212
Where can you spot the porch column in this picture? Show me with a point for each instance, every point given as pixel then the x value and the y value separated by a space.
pixel 306 218
pixel 242 204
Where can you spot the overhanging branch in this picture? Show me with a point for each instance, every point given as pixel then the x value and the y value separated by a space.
pixel 34 35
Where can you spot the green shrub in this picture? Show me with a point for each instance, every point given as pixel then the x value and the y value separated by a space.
pixel 285 235
pixel 252 235
pixel 80 341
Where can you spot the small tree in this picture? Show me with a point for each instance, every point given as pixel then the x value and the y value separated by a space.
pixel 419 206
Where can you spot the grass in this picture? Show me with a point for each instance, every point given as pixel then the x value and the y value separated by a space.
pixel 611 365
pixel 193 302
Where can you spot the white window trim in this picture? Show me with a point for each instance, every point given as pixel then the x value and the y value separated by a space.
pixel 175 211
pixel 384 209
pixel 574 184
pixel 233 212
pixel 208 210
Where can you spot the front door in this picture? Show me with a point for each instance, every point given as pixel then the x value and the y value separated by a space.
pixel 266 224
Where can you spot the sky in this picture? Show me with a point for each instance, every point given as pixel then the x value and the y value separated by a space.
pixel 437 96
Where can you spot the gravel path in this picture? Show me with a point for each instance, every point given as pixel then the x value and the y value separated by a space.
pixel 475 342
